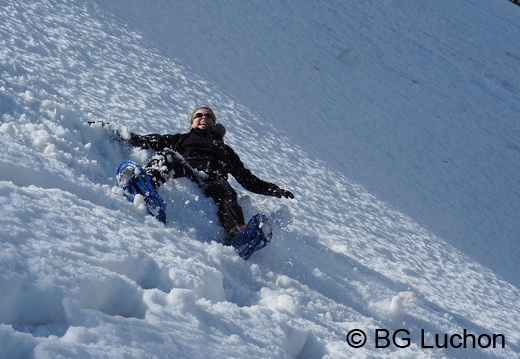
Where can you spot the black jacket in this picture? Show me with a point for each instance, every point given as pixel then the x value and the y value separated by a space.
pixel 205 150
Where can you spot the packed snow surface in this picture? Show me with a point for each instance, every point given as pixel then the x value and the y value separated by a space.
pixel 395 124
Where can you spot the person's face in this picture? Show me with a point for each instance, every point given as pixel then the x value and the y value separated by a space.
pixel 202 119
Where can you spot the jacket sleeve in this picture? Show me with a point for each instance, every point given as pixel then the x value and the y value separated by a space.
pixel 153 141
pixel 246 178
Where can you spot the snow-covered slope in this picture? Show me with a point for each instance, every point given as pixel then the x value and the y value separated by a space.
pixel 392 122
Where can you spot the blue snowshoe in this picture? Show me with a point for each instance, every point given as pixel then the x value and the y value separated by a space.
pixel 132 178
pixel 256 235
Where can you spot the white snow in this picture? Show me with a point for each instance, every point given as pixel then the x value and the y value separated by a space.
pixel 395 124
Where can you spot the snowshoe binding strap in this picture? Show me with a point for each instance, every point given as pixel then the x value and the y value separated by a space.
pixel 256 235
pixel 132 178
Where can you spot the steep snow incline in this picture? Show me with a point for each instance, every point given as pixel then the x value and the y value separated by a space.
pixel 86 274
pixel 418 99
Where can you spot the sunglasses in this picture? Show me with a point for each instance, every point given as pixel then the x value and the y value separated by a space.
pixel 201 114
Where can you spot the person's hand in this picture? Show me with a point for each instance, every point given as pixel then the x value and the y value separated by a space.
pixel 93 123
pixel 280 192
pixel 115 130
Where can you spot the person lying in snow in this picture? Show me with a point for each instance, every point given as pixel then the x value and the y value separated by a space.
pixel 202 156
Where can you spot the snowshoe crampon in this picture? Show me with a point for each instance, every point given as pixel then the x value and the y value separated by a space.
pixel 255 236
pixel 132 178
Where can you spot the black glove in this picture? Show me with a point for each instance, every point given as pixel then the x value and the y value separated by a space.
pixel 115 135
pixel 98 123
pixel 280 192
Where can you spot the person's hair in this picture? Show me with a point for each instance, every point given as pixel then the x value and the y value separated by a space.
pixel 203 108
